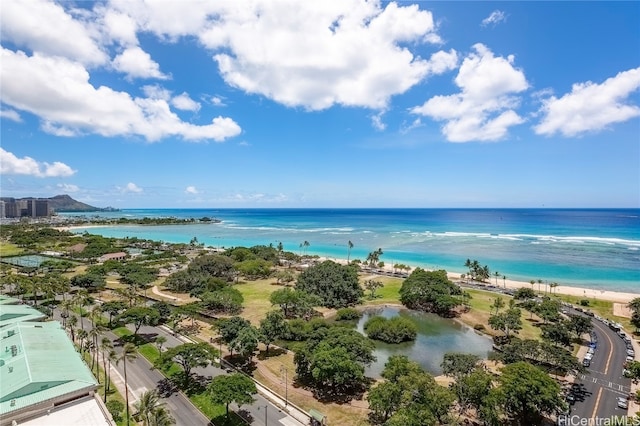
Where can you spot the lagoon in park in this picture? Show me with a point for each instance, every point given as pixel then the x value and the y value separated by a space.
pixel 436 336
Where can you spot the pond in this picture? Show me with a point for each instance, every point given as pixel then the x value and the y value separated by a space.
pixel 436 336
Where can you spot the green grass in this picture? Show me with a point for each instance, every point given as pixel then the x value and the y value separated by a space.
pixel 389 293
pixel 8 249
pixel 256 295
pixel 481 310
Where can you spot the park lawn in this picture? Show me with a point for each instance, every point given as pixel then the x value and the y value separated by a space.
pixel 389 293
pixel 481 310
pixel 256 298
pixel 352 414
pixel 9 249
pixel 603 308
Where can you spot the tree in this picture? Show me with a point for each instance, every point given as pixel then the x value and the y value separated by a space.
pixel 229 328
pixel 106 346
pixel 272 327
pixel 189 356
pixel 384 400
pixel 147 409
pixel 579 324
pixel 472 389
pixel 113 308
pixel 394 330
pixel 336 285
pixel 372 286
pixel 373 258
pixel 139 316
pixel 128 354
pixel 496 274
pixel 498 303
pixel 457 365
pixel 508 321
pixel 160 340
pixel 349 247
pixel 235 387
pixel 527 392
pixel 430 291
pixel 284 277
pixel 334 370
pixel 557 333
pixel 294 302
pixel 398 366
pixel 246 342
pixel 634 305
pixel 524 293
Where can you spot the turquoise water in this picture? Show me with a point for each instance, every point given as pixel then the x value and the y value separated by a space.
pixel 436 336
pixel 593 248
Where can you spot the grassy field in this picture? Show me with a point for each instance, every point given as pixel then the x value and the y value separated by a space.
pixel 8 249
pixel 256 298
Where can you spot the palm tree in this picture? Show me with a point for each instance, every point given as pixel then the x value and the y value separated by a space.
pixel 350 245
pixel 71 323
pixel 161 417
pixel 95 332
pixel 306 246
pixel 113 357
pixel 106 346
pixel 504 281
pixel 128 354
pixel 147 406
pixel 496 274
pixel 532 282
pixel 553 286
pixel 539 284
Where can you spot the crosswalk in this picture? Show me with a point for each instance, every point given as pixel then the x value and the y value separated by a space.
pixel 616 387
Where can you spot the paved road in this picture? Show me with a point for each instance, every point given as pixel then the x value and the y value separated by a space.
pixel 142 377
pixel 603 383
pixel 253 413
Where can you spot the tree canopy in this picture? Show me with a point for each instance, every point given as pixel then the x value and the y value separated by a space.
pixel 228 388
pixel 336 285
pixel 430 291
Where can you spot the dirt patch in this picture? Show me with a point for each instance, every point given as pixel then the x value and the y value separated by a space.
pixel 621 310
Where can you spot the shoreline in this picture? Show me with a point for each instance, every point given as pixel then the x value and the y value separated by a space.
pixel 587 293
pixel 575 291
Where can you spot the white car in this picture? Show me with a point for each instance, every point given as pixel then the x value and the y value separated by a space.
pixel 622 402
pixel 630 358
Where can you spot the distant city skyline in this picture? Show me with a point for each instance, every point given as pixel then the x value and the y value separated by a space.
pixel 236 104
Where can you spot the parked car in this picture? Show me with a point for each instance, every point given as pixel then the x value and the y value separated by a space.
pixel 586 362
pixel 631 352
pixel 622 402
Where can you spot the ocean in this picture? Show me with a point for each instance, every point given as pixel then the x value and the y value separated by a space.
pixel 592 248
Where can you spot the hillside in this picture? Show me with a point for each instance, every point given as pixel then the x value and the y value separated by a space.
pixel 64 203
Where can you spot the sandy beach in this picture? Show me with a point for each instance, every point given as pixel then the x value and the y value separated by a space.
pixel 587 293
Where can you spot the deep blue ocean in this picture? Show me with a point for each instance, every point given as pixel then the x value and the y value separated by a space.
pixel 594 248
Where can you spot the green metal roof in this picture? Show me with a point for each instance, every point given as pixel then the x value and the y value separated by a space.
pixel 11 314
pixel 38 362
pixel 6 300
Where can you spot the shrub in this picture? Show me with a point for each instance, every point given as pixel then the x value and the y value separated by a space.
pixel 584 302
pixel 394 330
pixel 346 314
pixel 115 408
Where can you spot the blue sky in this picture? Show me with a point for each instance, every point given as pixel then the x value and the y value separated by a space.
pixel 288 103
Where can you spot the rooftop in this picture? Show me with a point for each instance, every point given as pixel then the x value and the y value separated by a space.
pixel 6 300
pixel 38 362
pixel 11 314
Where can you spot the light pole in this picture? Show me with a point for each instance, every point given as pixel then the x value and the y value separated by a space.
pixel 265 414
pixel 283 369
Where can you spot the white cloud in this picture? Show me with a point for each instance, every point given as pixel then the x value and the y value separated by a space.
pixel 59 92
pixel 590 107
pixel 137 63
pixel 130 188
pixel 484 109
pixel 185 103
pixel 119 27
pixel 406 128
pixel 495 18
pixel 319 54
pixel 217 101
pixel 45 27
pixel 10 114
pixel 376 121
pixel 12 165
pixel 156 92
pixel 67 187
pixel 191 190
